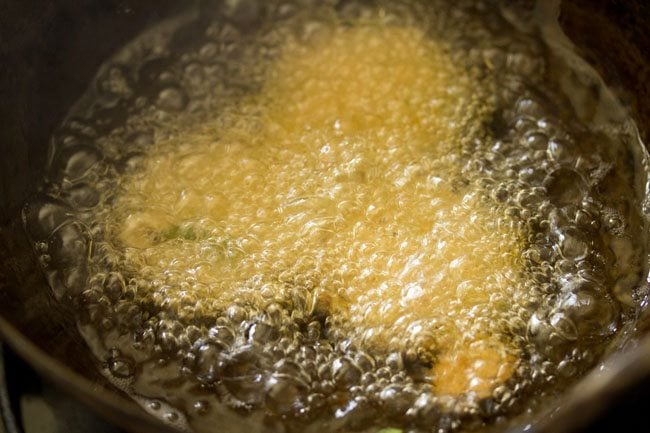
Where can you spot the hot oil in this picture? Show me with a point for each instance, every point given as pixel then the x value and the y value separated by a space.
pixel 356 207
pixel 344 217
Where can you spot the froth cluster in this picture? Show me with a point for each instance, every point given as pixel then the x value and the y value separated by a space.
pixel 291 217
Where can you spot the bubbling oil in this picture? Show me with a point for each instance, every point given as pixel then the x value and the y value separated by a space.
pixel 356 206
pixel 342 217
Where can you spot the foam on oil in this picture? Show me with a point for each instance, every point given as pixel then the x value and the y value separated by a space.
pixel 346 216
pixel 339 175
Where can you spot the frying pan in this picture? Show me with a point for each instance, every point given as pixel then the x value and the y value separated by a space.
pixel 49 52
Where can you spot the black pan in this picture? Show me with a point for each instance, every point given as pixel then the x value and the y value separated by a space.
pixel 49 52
